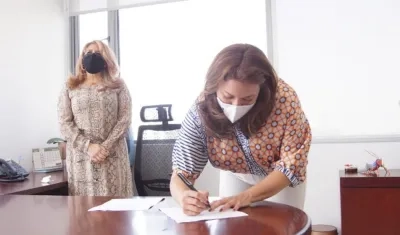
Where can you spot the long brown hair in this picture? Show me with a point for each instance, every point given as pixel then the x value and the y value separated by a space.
pixel 110 74
pixel 244 63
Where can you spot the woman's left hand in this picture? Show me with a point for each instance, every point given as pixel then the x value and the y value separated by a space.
pixel 97 153
pixel 236 202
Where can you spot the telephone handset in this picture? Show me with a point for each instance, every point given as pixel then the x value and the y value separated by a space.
pixel 11 171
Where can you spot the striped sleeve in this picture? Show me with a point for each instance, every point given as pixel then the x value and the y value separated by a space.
pixel 189 155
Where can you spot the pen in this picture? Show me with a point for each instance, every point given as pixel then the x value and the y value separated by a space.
pixel 190 185
pixel 157 203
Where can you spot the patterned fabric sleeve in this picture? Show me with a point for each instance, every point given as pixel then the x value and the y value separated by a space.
pixel 68 128
pixel 189 156
pixel 295 145
pixel 124 118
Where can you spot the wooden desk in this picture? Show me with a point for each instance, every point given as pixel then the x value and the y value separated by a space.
pixel 370 204
pixel 68 215
pixel 33 185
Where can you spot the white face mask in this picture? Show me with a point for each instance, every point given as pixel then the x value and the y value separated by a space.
pixel 234 112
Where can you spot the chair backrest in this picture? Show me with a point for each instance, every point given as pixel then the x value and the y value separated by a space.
pixel 155 142
pixel 131 146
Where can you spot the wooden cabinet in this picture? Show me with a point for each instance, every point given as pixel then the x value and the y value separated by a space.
pixel 370 205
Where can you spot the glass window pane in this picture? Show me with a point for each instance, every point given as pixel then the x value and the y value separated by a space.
pixel 166 49
pixel 93 26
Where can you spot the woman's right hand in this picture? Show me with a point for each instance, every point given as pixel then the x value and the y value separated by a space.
pixel 193 203
pixel 97 153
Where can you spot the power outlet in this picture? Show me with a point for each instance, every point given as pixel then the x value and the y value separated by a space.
pixel 24 162
pixel 21 160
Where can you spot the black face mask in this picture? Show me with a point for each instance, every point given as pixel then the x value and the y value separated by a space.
pixel 93 62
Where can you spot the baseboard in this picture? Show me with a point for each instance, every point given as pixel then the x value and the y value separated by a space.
pixel 355 139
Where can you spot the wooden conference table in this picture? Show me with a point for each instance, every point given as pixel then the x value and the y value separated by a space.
pixel 68 215
pixel 31 207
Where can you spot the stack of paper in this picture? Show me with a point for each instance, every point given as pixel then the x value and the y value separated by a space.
pixel 179 217
pixel 168 207
pixel 176 213
pixel 130 204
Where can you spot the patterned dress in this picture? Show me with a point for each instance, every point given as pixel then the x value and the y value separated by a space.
pixel 88 115
pixel 282 143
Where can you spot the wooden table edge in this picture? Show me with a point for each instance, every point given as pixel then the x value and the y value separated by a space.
pixel 40 189
pixel 306 230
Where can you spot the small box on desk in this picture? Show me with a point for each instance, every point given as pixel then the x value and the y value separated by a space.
pixel 370 204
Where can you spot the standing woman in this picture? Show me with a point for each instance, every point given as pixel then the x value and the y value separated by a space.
pixel 248 123
pixel 94 112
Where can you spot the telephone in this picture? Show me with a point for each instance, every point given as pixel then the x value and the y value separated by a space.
pixel 11 171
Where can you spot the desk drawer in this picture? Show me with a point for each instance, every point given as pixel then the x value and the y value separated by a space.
pixel 370 211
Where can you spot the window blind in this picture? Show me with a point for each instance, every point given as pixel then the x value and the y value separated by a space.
pixel 78 7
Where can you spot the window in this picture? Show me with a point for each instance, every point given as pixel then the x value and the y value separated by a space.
pixel 93 26
pixel 166 49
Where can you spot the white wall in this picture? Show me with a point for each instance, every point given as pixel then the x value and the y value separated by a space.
pixel 33 67
pixel 341 57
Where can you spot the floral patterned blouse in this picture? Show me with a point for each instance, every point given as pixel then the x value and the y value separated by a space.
pixel 282 143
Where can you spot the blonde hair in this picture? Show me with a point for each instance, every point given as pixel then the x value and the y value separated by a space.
pixel 110 74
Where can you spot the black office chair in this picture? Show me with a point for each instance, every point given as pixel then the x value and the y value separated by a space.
pixel 155 142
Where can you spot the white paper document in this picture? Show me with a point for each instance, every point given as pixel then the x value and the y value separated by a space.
pixel 129 204
pixel 176 213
